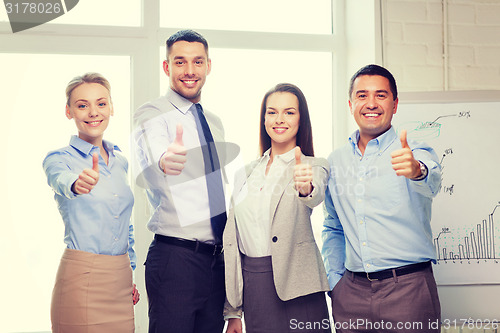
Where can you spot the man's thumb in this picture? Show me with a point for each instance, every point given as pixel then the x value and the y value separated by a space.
pixel 404 141
pixel 178 135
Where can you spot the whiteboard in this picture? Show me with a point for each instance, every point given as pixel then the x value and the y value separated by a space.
pixel 463 127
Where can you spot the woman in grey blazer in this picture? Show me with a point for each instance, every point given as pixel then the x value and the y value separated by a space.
pixel 274 270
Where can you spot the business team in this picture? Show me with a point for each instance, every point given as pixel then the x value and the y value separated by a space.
pixel 378 189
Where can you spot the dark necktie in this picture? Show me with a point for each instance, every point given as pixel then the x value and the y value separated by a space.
pixel 213 177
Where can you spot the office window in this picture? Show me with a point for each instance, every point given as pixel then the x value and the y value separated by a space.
pixel 287 16
pixel 108 13
pixel 33 113
pixel 3 14
pixel 97 12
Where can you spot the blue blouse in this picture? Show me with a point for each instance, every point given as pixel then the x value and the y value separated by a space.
pixel 97 222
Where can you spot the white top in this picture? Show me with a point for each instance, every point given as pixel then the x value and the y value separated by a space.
pixel 180 203
pixel 253 213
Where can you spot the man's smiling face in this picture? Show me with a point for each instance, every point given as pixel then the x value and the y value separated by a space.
pixel 187 67
pixel 372 105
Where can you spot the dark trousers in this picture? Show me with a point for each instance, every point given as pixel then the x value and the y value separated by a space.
pixel 406 303
pixel 185 290
pixel 265 312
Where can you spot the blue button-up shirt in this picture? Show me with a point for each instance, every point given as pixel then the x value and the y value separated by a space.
pixel 97 222
pixel 374 219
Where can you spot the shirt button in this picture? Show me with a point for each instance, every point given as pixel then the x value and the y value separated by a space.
pixel 360 222
pixel 364 243
pixel 275 239
pixel 368 265
pixel 360 179
pixel 116 216
pixel 115 195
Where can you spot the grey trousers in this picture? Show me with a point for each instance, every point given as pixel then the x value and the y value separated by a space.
pixel 406 303
pixel 265 312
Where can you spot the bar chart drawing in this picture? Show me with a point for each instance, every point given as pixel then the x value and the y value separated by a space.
pixel 477 244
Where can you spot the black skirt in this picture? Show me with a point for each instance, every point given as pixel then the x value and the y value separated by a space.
pixel 265 312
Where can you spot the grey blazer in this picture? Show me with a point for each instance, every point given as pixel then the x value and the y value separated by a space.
pixel 298 268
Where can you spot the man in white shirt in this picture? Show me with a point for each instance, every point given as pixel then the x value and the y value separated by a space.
pixel 175 146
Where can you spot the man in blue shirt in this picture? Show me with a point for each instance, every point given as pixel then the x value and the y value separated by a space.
pixel 377 235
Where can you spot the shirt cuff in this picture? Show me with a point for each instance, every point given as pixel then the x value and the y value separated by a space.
pixel 307 197
pixel 66 180
pixel 424 171
pixel 226 318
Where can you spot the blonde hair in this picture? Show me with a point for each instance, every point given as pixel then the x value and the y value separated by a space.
pixel 86 78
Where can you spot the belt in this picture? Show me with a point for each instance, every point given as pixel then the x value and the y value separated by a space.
pixel 388 273
pixel 196 246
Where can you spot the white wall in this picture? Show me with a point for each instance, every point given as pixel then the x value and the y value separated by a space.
pixel 434 45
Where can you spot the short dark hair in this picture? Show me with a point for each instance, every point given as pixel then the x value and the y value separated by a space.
pixel 304 134
pixel 190 36
pixel 375 70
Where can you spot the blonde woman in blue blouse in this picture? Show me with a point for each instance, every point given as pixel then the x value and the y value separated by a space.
pixel 93 290
pixel 274 271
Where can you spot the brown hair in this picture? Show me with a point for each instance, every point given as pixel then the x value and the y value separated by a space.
pixel 190 36
pixel 304 134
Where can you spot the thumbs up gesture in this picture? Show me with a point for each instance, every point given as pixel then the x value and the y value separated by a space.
pixel 173 160
pixel 88 178
pixel 302 175
pixel 403 161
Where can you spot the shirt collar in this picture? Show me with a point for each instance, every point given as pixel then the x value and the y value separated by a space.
pixel 179 102
pixel 383 141
pixel 286 157
pixel 85 147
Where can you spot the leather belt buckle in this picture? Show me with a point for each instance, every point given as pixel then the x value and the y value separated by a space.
pixel 368 277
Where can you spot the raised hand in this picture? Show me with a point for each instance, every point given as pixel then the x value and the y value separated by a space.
pixel 302 175
pixel 173 160
pixel 403 161
pixel 88 179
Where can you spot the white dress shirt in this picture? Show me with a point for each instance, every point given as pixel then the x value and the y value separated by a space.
pixel 253 213
pixel 180 203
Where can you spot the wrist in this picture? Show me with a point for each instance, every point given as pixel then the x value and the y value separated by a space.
pixel 306 190
pixel 423 171
pixel 73 189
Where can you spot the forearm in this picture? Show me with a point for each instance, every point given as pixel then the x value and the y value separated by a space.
pixel 59 177
pixel 131 252
pixel 431 184
pixel 317 195
pixel 333 249
pixel 333 252
pixel 231 312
